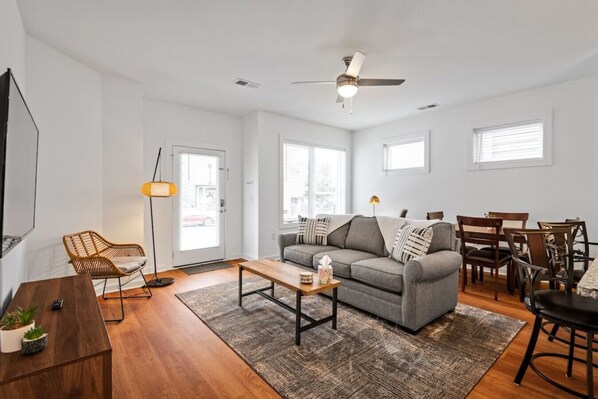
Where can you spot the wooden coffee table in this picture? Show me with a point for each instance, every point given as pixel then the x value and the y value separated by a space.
pixel 288 276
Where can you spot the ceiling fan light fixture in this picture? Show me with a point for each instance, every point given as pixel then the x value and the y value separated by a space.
pixel 347 87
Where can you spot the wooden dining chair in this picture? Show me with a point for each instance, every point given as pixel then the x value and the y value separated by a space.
pixel 484 232
pixel 549 253
pixel 437 215
pixel 92 254
pixel 513 220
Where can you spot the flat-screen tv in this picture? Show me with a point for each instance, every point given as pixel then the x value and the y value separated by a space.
pixel 18 164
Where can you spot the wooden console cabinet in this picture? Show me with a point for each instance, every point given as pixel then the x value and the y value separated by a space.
pixel 78 360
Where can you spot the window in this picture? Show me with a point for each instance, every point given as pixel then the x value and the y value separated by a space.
pixel 516 144
pixel 406 154
pixel 314 181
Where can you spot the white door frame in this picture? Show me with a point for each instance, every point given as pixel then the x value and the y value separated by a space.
pixel 224 190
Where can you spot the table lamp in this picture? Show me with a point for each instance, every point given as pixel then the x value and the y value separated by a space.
pixel 374 201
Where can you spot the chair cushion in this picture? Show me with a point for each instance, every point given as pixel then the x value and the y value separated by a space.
pixel 569 308
pixel 312 231
pixel 384 273
pixel 364 235
pixel 342 260
pixel 129 264
pixel 304 254
pixel 411 242
pixel 488 256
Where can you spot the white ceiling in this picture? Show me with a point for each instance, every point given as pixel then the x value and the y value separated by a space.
pixel 450 52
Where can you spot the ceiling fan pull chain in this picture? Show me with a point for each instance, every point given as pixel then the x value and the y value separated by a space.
pixel 351 106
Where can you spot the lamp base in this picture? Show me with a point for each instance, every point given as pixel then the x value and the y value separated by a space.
pixel 160 282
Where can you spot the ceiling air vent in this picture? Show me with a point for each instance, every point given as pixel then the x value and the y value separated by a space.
pixel 425 107
pixel 247 83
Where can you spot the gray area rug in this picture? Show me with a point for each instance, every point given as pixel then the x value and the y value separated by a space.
pixel 208 267
pixel 365 358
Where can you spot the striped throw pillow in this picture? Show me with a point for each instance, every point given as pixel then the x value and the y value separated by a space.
pixel 411 242
pixel 312 231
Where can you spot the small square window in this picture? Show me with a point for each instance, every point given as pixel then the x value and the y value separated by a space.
pixel 406 154
pixel 511 145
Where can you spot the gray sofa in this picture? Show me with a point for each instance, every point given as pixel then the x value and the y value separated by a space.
pixel 411 294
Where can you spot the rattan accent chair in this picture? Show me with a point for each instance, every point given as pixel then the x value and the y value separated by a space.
pixel 92 254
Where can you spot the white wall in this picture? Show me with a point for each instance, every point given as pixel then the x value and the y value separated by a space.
pixel 65 98
pixel 250 187
pixel 565 189
pixel 12 55
pixel 166 122
pixel 122 157
pixel 271 128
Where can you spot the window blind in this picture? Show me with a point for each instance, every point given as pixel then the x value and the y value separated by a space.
pixel 314 181
pixel 509 143
pixel 406 155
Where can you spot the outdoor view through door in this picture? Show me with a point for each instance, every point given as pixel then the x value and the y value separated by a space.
pixel 314 181
pixel 200 206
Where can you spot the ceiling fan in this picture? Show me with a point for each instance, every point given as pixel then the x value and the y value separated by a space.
pixel 348 83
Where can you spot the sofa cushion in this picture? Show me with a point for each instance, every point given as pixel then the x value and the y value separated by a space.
pixel 304 253
pixel 411 242
pixel 312 231
pixel 338 237
pixel 342 260
pixel 384 273
pixel 443 236
pixel 364 235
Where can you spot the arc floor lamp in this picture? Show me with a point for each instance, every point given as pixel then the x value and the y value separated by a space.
pixel 158 189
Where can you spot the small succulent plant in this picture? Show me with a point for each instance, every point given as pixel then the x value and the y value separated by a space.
pixel 19 318
pixel 34 333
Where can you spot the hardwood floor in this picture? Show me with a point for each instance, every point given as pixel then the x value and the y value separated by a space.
pixel 161 350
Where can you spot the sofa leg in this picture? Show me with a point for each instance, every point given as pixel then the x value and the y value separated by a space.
pixel 410 331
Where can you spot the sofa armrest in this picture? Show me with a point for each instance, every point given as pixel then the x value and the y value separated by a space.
pixel 285 240
pixel 432 266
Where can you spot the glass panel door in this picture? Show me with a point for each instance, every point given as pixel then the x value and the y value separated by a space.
pixel 199 207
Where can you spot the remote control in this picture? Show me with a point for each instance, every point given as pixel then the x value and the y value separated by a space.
pixel 57 304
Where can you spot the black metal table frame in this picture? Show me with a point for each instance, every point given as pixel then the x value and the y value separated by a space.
pixel 297 310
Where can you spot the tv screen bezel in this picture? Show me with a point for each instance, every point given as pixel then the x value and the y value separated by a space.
pixel 5 80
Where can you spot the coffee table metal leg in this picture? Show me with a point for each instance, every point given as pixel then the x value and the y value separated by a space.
pixel 298 319
pixel 334 293
pixel 240 286
pixel 272 289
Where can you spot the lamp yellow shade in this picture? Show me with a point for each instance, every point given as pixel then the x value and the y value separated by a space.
pixel 159 189
pixel 374 200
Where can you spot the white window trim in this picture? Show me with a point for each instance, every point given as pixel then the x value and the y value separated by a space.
pixel 311 143
pixel 542 117
pixel 404 139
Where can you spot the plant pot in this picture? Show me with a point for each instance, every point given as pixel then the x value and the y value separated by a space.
pixel 10 340
pixel 32 346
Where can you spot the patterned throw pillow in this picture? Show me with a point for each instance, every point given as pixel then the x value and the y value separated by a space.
pixel 312 231
pixel 411 242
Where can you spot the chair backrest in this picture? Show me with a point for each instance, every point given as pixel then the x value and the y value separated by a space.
pixel 479 230
pixel 511 219
pixel 579 232
pixel 403 213
pixel 437 215
pixel 547 251
pixel 84 244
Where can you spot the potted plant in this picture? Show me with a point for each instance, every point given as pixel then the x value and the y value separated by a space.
pixel 35 340
pixel 13 326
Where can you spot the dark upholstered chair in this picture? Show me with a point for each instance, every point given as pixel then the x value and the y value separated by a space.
pixel 92 254
pixel 549 253
pixel 437 215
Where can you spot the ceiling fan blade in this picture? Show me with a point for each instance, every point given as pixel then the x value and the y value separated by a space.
pixel 355 65
pixel 381 82
pixel 315 82
pixel 340 99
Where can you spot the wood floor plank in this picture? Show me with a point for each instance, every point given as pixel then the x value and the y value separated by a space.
pixel 162 350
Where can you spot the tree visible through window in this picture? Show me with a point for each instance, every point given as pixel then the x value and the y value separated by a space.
pixel 314 181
